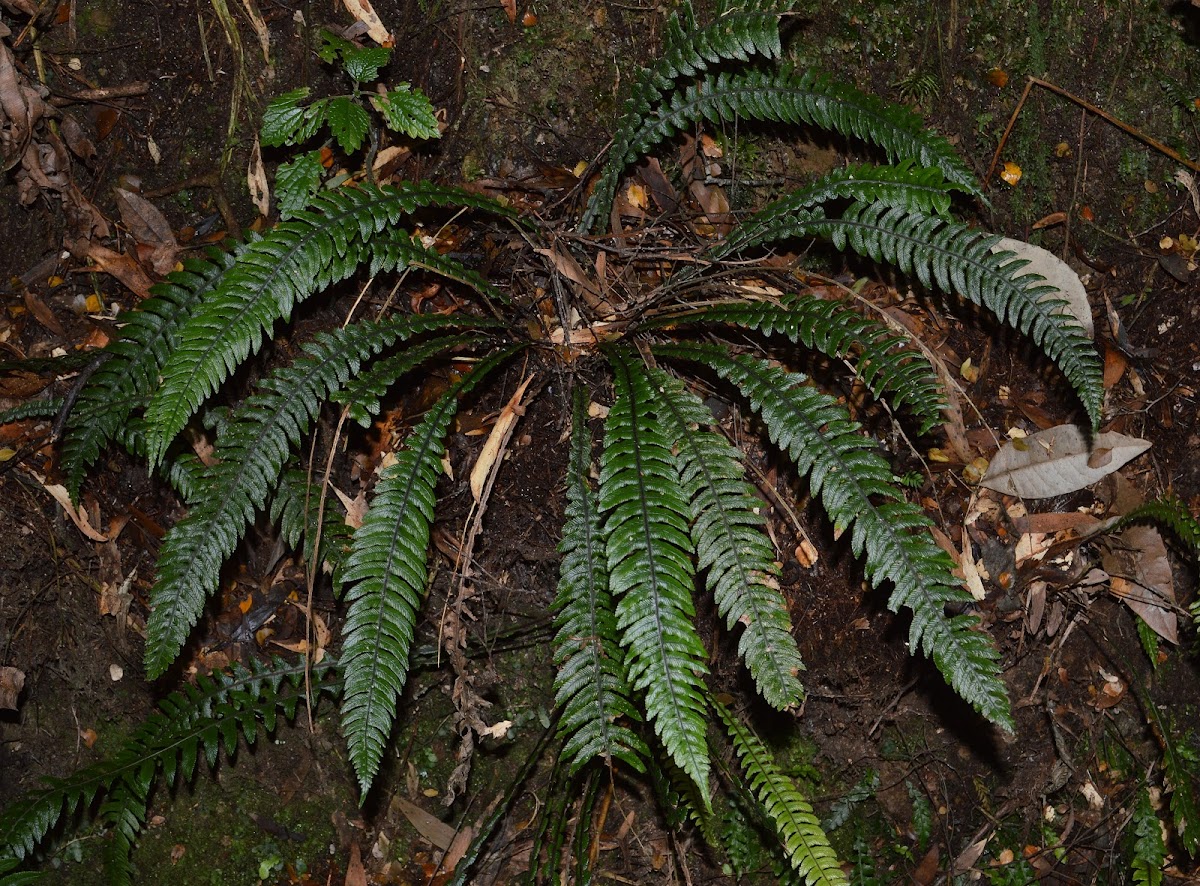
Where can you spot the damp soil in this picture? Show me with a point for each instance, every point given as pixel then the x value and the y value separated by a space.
pixel 523 104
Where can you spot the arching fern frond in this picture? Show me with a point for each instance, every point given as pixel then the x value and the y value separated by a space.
pixel 731 543
pixel 650 568
pixel 47 408
pixel 387 576
pixel 789 811
pixel 906 186
pixel 855 485
pixel 879 355
pixel 195 720
pixel 688 50
pixel 959 260
pixel 250 455
pixel 307 253
pixel 132 362
pixel 785 96
pixel 590 688
pixel 295 506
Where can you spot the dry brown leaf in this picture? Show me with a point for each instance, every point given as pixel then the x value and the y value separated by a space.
pixel 432 828
pixel 12 681
pixel 78 516
pixel 365 13
pixel 1058 460
pixel 356 874
pixel 124 268
pixel 256 180
pixel 497 439
pixel 156 241
pixel 1148 587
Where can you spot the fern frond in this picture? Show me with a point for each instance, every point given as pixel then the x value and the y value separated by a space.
pixel 132 362
pixel 650 568
pixel 906 186
pixel 784 96
pixel 313 249
pixel 880 356
pixel 729 535
pixel 196 719
pixel 1149 851
pixel 688 50
pixel 805 843
pixel 250 455
pixel 124 813
pixel 387 574
pixel 958 259
pixel 855 485
pixel 590 688
pixel 47 408
pixel 294 506
pixel 182 470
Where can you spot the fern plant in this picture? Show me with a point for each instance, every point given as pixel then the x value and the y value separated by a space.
pixel 669 515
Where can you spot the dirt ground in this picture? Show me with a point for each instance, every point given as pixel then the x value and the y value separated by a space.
pixel 524 101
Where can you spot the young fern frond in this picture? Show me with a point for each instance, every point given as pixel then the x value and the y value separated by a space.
pixel 295 507
pixel 792 815
pixel 855 485
pixel 907 186
pixel 124 812
pixel 307 253
pixel 131 363
pixel 958 259
pixel 1149 849
pixel 47 408
pixel 590 688
pixel 880 356
pixel 731 543
pixel 251 453
pixel 192 721
pixel 688 50
pixel 788 96
pixel 650 568
pixel 386 571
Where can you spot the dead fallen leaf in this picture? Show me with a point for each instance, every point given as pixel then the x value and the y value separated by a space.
pixel 1056 461
pixel 12 681
pixel 1147 585
pixel 78 516
pixel 365 13
pixel 428 826
pixel 1057 274
pixel 356 874
pixel 256 180
pixel 497 439
pixel 122 267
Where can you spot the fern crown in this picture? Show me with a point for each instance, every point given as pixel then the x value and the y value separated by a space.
pixel 662 511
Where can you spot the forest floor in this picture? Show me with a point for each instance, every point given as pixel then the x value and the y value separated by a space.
pixel 526 97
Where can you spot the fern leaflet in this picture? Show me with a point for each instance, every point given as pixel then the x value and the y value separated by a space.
pixel 386 571
pixel 731 544
pixel 650 568
pixel 799 830
pixel 847 472
pixel 590 687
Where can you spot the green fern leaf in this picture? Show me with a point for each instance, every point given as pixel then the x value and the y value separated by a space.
pixel 880 356
pixel 731 544
pixel 294 506
pixel 906 186
pixel 1149 851
pixel 386 571
pixel 855 485
pixel 250 456
pixel 348 122
pixel 186 722
pixel 590 688
pixel 48 408
pixel 784 96
pixel 688 50
pixel 958 259
pixel 650 569
pixel 287 122
pixel 296 182
pixel 805 843
pixel 307 253
pixel 132 364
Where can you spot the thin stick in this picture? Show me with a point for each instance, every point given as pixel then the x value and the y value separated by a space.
pixel 1086 105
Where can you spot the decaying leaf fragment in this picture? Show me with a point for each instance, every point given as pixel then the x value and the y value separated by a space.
pixel 1058 274
pixel 1058 460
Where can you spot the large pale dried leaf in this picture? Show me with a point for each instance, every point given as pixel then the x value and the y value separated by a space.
pixel 428 826
pixel 497 440
pixel 1149 588
pixel 1057 461
pixel 365 13
pixel 12 681
pixel 78 516
pixel 1058 274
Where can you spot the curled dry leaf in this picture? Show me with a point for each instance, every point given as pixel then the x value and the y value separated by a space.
pixel 1058 460
pixel 12 681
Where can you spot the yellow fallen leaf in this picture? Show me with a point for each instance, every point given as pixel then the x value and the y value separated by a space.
pixel 497 439
pixel 1011 173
